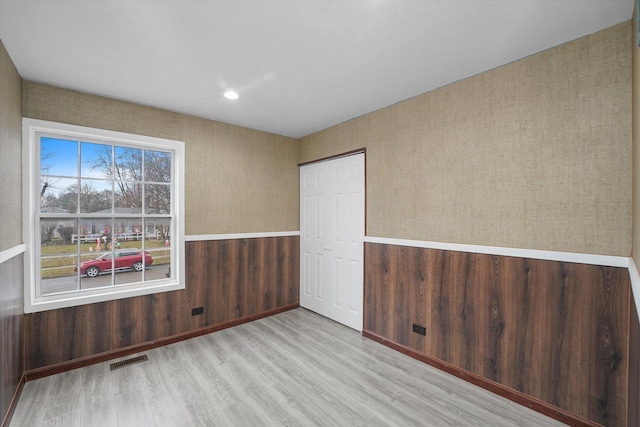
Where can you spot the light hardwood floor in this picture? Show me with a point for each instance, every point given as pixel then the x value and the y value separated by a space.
pixel 292 369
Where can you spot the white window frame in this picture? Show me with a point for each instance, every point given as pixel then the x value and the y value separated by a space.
pixel 31 128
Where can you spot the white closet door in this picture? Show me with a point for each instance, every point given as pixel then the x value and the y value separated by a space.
pixel 331 238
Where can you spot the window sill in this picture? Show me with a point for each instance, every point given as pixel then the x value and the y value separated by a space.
pixel 100 295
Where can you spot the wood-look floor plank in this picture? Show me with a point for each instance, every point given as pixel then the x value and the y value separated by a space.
pixel 264 365
pixel 182 386
pixel 410 403
pixel 32 403
pixel 65 397
pixel 98 408
pixel 167 411
pixel 292 369
pixel 66 419
pixel 338 375
pixel 133 410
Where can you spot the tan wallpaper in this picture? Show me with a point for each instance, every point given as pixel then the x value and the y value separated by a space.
pixel 238 180
pixel 10 153
pixel 636 138
pixel 534 154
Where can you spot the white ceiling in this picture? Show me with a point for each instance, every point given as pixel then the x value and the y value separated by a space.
pixel 299 66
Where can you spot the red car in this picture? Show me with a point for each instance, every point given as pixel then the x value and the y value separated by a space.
pixel 124 260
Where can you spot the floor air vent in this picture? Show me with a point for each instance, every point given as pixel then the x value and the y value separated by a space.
pixel 128 362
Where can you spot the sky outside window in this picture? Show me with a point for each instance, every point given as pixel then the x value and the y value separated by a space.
pixel 58 157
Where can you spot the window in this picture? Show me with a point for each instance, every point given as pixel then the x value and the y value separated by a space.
pixel 106 215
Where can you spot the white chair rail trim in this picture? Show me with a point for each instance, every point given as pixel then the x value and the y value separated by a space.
pixel 201 237
pixel 7 254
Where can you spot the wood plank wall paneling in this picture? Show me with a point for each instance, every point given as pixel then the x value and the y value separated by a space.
pixel 231 279
pixel 634 366
pixel 555 331
pixel 11 333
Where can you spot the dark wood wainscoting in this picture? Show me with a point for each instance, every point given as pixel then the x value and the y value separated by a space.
pixel 555 331
pixel 634 367
pixel 231 280
pixel 11 334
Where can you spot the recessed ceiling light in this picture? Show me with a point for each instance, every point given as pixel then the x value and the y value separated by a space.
pixel 231 94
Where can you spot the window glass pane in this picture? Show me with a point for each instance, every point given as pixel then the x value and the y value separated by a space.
pixel 129 229
pixel 58 157
pixel 95 196
pixel 58 255
pixel 128 164
pixel 158 243
pixel 128 197
pixel 157 166
pixel 96 160
pixel 130 264
pixel 96 270
pixel 58 195
pixel 129 259
pixel 92 250
pixel 97 253
pixel 157 198
pixel 92 229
